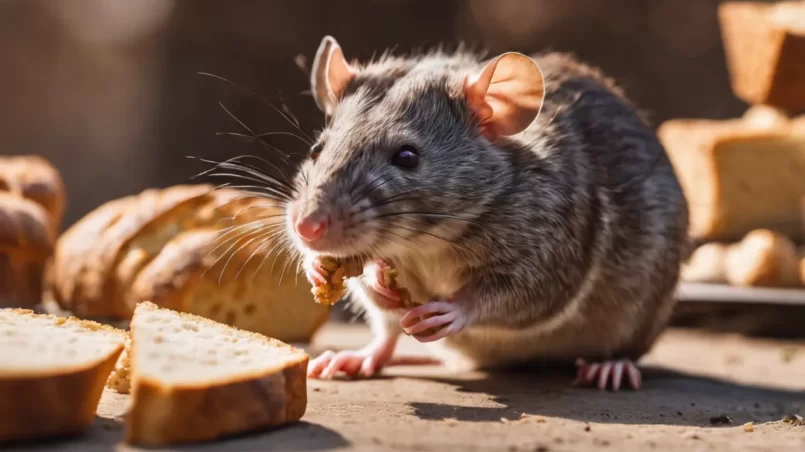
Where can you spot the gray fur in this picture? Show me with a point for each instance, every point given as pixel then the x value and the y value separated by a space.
pixel 570 234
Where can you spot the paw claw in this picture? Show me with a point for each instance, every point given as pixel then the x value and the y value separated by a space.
pixel 608 373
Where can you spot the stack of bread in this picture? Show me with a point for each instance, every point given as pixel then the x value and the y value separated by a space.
pixel 744 178
pixel 32 201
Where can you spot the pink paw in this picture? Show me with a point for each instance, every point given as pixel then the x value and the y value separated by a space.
pixel 606 372
pixel 313 271
pixel 446 316
pixel 380 295
pixel 365 362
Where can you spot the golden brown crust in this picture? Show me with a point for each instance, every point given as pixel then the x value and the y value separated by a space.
pixel 737 177
pixel 26 242
pixel 162 416
pixel 85 279
pixel 52 406
pixel 163 246
pixel 765 56
pixel 32 177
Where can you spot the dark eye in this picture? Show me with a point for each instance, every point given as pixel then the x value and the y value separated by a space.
pixel 406 157
pixel 315 150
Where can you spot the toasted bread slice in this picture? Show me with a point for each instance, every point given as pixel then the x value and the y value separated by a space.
pixel 52 373
pixel 194 379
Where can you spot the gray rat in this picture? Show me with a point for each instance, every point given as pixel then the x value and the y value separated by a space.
pixel 523 200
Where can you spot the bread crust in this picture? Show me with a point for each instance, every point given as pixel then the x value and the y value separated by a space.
pixel 162 416
pixel 59 404
pixel 26 242
pixel 728 187
pixel 160 246
pixel 765 57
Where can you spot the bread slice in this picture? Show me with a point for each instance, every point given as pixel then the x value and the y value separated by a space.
pixel 194 379
pixel 736 178
pixel 52 373
pixel 765 50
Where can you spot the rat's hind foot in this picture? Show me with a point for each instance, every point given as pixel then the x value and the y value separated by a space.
pixel 607 371
pixel 364 362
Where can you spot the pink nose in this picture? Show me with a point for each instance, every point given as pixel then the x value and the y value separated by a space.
pixel 312 227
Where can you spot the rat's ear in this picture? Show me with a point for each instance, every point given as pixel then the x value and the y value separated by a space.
pixel 506 95
pixel 330 74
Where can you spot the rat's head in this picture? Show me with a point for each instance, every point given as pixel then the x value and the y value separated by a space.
pixel 407 153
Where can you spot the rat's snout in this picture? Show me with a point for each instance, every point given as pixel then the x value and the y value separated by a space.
pixel 313 226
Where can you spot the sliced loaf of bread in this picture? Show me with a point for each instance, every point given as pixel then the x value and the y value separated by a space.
pixel 194 379
pixel 52 373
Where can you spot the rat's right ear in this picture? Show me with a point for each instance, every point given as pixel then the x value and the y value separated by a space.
pixel 330 74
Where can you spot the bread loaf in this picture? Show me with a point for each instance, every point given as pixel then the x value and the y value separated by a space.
pixel 52 373
pixel 765 49
pixel 737 178
pixel 172 247
pixel 31 207
pixel 194 379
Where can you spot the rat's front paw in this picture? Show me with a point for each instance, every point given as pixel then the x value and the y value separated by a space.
pixel 443 317
pixel 374 279
pixel 314 272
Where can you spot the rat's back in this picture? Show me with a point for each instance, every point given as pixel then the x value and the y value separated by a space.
pixel 631 218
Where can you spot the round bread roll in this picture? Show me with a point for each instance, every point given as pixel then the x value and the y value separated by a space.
pixel 26 242
pixel 706 264
pixel 34 178
pixel 763 258
pixel 192 249
pixel 765 117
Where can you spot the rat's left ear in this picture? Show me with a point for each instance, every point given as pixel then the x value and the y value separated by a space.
pixel 330 74
pixel 506 95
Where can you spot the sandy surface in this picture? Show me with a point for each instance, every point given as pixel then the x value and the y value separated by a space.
pixel 689 379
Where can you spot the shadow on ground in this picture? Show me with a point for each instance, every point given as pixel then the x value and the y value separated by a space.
pixel 667 398
pixel 107 434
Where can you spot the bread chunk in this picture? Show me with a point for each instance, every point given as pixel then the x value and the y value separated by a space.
pixel 194 379
pixel 52 373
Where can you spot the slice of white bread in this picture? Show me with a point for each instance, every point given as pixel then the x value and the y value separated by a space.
pixel 194 379
pixel 737 178
pixel 52 373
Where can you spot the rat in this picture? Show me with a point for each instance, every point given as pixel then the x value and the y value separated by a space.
pixel 524 201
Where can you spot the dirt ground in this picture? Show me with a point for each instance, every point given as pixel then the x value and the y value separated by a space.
pixel 689 378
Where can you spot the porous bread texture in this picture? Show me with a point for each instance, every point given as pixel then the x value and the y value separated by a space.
pixel 765 50
pixel 194 379
pixel 52 373
pixel 737 178
pixel 190 248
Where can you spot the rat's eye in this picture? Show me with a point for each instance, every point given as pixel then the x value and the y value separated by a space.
pixel 406 157
pixel 315 150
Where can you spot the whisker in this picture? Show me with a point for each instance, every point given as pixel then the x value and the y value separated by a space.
pixel 430 214
pixel 269 104
pixel 264 134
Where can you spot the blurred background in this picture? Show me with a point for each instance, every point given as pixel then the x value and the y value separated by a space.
pixel 108 90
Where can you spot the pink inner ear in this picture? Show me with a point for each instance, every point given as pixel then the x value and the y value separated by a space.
pixel 339 72
pixel 506 95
